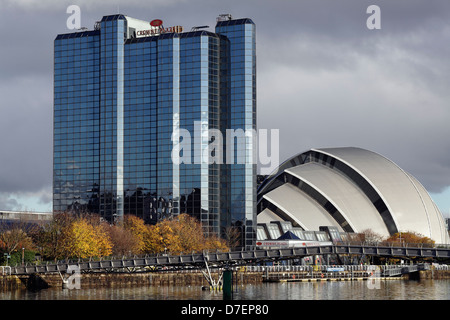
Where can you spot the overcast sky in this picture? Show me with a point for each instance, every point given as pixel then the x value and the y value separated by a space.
pixel 323 78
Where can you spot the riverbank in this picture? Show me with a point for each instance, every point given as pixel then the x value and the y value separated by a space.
pixel 311 276
pixel 99 280
pixel 194 278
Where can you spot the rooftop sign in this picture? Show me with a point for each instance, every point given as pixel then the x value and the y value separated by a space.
pixel 156 23
pixel 157 28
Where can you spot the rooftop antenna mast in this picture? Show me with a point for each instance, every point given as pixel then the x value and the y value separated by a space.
pixel 199 27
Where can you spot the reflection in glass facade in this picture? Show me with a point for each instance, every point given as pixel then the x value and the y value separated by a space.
pixel 118 99
pixel 239 89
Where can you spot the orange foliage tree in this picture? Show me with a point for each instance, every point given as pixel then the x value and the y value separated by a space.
pixel 74 236
pixel 85 240
pixel 85 236
pixel 124 242
pixel 188 231
pixel 162 238
pixel 409 237
pixel 50 236
pixel 368 236
pixel 181 234
pixel 15 239
pixel 138 229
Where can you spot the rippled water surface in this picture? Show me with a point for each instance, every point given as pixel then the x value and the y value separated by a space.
pixel 339 290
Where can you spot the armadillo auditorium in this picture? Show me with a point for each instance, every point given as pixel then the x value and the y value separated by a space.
pixel 350 189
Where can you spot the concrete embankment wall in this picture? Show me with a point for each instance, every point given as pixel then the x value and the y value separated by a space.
pixel 434 274
pixel 8 283
pixel 95 280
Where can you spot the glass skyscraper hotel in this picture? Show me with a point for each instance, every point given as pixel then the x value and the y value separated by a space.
pixel 122 90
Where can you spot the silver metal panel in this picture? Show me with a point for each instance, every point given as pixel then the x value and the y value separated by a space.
pixel 437 224
pixel 300 207
pixel 267 216
pixel 405 202
pixel 408 202
pixel 344 195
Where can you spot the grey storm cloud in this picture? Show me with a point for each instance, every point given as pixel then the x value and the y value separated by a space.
pixel 324 78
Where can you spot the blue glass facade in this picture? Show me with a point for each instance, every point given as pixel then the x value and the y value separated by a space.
pixel 239 90
pixel 118 99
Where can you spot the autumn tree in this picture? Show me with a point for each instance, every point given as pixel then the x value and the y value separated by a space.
pixel 50 236
pixel 232 237
pixel 213 242
pixel 368 236
pixel 187 235
pixel 189 232
pixel 84 240
pixel 138 229
pixel 152 241
pixel 71 235
pixel 179 234
pixel 15 239
pixel 162 238
pixel 409 237
pixel 124 242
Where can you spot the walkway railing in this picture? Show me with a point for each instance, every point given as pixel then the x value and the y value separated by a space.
pixel 326 272
pixel 395 244
pixel 5 270
pixel 336 268
pixel 228 259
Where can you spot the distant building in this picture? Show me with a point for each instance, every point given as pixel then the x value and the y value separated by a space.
pixel 25 216
pixel 121 91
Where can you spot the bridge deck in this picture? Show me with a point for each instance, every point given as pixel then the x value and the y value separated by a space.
pixel 221 259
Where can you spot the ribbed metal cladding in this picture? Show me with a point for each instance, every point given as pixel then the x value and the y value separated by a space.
pixel 361 182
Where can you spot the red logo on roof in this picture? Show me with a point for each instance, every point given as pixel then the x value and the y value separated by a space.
pixel 156 23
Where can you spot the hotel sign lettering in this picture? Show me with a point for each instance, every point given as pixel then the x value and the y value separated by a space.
pixel 158 29
pixel 154 32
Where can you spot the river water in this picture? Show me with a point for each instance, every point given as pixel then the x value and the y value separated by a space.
pixel 338 290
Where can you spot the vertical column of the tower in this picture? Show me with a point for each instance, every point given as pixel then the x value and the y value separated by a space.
pixel 113 33
pixel 242 122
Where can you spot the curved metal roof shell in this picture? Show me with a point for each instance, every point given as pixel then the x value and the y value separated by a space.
pixel 343 194
pixel 353 189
